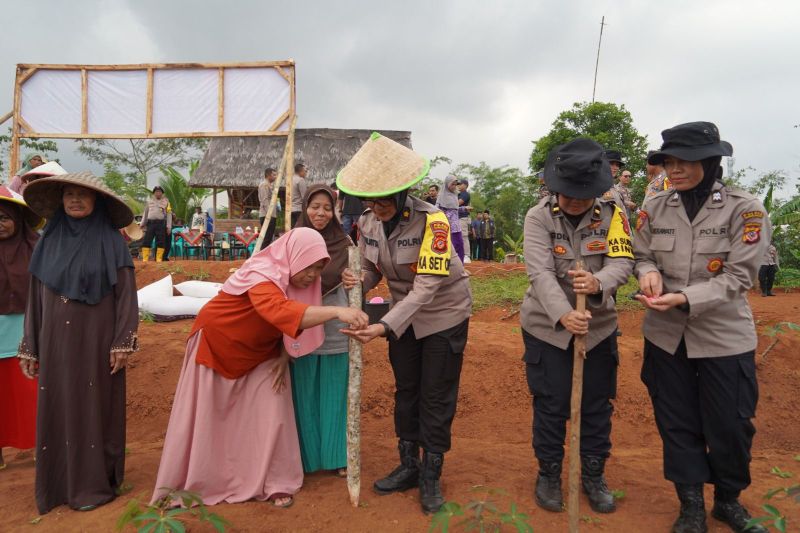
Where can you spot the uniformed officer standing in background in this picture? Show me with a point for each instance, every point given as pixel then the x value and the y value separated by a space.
pixel 157 222
pixel 698 248
pixel 571 224
pixel 407 241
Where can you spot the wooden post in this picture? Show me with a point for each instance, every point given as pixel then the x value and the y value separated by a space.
pixel 575 418
pixel 13 163
pixel 214 205
pixel 273 202
pixel 84 101
pixel 287 222
pixel 354 391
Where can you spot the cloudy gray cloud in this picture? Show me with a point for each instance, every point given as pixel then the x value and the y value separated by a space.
pixel 473 80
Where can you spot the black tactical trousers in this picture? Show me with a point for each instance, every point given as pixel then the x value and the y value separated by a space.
pixel 549 372
pixel 426 373
pixel 766 277
pixel 703 409
pixel 157 229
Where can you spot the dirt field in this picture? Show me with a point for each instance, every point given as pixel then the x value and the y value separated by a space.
pixel 491 444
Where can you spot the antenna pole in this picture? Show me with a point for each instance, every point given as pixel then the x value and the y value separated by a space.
pixel 597 62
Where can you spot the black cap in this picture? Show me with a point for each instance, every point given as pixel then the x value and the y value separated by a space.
pixel 158 188
pixel 613 155
pixel 693 141
pixel 578 169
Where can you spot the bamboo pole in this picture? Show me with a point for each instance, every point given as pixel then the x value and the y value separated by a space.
pixel 14 148
pixel 7 116
pixel 579 355
pixel 273 202
pixel 84 101
pixel 148 120
pixel 214 205
pixel 287 222
pixel 144 66
pixel 354 390
pixel 221 100
pixel 169 135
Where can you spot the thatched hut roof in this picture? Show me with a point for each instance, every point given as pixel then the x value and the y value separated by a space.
pixel 239 162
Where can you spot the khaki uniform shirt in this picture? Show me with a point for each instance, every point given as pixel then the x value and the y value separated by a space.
pixel 264 198
pixel 613 195
pixel 771 256
pixel 157 210
pixel 551 247
pixel 428 302
pixel 713 260
pixel 299 186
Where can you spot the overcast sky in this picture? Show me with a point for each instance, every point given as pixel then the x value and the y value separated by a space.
pixel 473 80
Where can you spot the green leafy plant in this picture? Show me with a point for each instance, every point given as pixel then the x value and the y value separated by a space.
pixel 163 517
pixel 181 196
pixel 514 246
pixel 146 316
pixel 775 332
pixel 200 275
pixel 481 514
pixel 774 517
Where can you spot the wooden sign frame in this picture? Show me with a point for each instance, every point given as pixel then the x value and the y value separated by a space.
pixel 21 129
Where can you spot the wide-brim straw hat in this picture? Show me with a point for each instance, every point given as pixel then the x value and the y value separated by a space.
pixel 44 196
pixel 33 220
pixel 51 168
pixel 133 231
pixel 381 167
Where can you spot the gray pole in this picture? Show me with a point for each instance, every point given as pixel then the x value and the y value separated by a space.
pixel 597 63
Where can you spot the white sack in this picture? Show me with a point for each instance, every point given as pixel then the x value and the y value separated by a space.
pixel 199 289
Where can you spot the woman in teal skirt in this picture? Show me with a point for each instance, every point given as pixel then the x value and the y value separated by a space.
pixel 319 380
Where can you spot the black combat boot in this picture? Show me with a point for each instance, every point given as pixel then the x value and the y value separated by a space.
pixel 430 492
pixel 594 484
pixel 404 476
pixel 692 518
pixel 548 487
pixel 728 509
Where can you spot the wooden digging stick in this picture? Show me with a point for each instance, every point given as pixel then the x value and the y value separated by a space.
pixel 575 418
pixel 354 391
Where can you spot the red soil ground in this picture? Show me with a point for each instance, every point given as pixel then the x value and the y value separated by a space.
pixel 491 434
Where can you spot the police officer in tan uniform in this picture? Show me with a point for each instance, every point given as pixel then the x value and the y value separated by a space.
pixel 407 241
pixel 613 194
pixel 157 222
pixel 698 248
pixel 573 223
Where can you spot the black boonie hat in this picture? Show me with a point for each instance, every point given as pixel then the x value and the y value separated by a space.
pixel 692 141
pixel 613 155
pixel 158 188
pixel 578 169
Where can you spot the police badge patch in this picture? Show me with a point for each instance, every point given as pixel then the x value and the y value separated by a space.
pixel 714 265
pixel 641 219
pixel 752 233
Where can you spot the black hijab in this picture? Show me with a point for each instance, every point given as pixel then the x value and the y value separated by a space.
pixel 79 258
pixel 400 204
pixel 15 254
pixel 693 199
pixel 335 239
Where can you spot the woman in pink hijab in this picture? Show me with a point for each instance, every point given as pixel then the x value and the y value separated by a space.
pixel 232 434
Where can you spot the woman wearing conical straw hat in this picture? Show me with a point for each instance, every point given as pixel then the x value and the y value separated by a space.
pixel 81 325
pixel 407 241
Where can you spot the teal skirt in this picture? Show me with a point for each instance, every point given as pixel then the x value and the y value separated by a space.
pixel 319 389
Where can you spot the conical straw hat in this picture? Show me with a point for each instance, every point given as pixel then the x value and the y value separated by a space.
pixel 44 196
pixel 133 231
pixel 381 167
pixel 7 195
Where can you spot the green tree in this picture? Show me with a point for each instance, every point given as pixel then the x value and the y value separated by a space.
pixel 136 158
pixel 607 123
pixel 43 147
pixel 505 191
pixel 181 196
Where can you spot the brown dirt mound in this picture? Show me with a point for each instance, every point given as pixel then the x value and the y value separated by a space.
pixel 491 444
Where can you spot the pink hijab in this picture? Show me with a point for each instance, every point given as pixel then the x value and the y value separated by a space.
pixel 294 251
